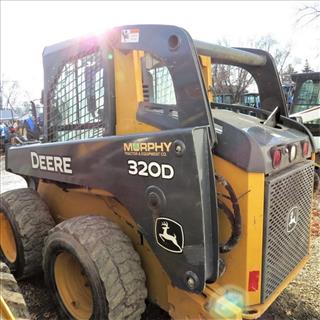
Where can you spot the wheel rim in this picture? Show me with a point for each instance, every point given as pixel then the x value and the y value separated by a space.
pixel 73 286
pixel 7 241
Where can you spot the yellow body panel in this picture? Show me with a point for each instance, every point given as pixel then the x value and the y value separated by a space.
pixel 246 256
pixel 128 91
pixel 207 75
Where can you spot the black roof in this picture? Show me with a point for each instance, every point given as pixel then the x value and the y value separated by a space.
pixel 305 76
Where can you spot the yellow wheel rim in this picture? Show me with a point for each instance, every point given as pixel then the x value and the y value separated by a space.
pixel 7 241
pixel 73 286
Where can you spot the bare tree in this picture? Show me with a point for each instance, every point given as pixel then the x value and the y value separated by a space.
pixel 13 96
pixel 308 13
pixel 280 54
pixel 10 91
pixel 236 81
pixel 231 80
pixel 287 72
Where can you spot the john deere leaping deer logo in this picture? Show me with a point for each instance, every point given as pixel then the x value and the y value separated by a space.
pixel 292 219
pixel 169 235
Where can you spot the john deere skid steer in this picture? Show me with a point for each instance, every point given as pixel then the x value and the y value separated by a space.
pixel 145 188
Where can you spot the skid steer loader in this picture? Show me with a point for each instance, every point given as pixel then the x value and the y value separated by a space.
pixel 146 188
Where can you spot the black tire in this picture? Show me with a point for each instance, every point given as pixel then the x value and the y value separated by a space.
pixel 109 261
pixel 11 295
pixel 30 221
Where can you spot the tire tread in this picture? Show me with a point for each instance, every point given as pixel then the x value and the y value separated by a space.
pixel 116 260
pixel 11 294
pixel 33 221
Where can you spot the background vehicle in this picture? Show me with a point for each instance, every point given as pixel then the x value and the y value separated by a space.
pixel 251 100
pixel 145 187
pixel 288 91
pixel 4 135
pixel 224 98
pixel 306 102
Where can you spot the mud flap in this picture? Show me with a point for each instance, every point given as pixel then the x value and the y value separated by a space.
pixel 166 181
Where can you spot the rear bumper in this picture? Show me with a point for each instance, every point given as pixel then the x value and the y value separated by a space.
pixel 213 303
pixel 256 311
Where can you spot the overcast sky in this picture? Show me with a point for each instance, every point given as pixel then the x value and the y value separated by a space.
pixel 28 26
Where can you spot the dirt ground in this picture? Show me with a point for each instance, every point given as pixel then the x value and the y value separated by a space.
pixel 299 301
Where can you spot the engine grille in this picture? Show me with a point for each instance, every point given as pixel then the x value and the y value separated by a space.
pixel 288 195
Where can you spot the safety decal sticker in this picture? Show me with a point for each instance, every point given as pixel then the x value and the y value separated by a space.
pixel 130 35
pixel 169 235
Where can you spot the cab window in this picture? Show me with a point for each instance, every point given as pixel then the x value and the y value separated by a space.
pixel 76 108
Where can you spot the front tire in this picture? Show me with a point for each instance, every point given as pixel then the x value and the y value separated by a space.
pixel 93 270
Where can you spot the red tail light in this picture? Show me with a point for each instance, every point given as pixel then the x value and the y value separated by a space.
pixel 276 157
pixel 305 148
pixel 253 281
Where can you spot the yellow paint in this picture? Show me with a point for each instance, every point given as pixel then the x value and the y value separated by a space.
pixel 5 312
pixel 207 75
pixel 73 286
pixel 261 308
pixel 76 202
pixel 246 256
pixel 207 305
pixel 129 93
pixel 7 241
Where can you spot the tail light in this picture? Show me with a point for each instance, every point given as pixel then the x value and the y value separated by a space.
pixel 276 157
pixel 305 148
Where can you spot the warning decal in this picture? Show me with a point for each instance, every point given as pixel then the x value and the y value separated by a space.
pixel 130 35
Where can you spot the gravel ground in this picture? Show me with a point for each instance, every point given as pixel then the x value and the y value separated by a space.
pixel 299 301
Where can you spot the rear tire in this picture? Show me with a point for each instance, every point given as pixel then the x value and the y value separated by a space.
pixel 110 283
pixel 11 295
pixel 24 223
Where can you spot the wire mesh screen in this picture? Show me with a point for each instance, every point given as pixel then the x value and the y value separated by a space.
pixel 284 249
pixel 76 108
pixel 163 89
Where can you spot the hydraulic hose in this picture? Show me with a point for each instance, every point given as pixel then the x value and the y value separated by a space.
pixel 233 217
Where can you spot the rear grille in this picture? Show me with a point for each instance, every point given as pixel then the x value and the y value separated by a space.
pixel 287 194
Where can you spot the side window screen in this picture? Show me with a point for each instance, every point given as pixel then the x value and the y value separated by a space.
pixel 77 100
pixel 157 80
pixel 163 91
pixel 307 96
pixel 160 104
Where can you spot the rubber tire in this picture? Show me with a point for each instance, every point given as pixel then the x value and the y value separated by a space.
pixel 109 261
pixel 11 294
pixel 31 221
